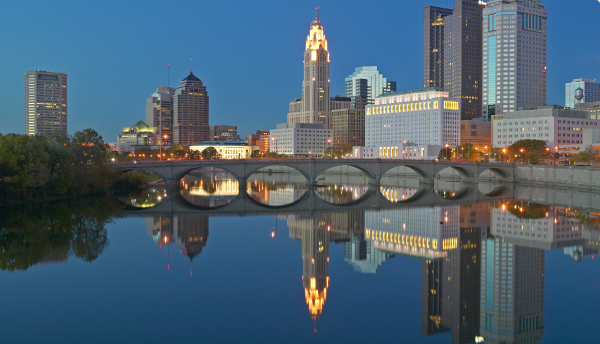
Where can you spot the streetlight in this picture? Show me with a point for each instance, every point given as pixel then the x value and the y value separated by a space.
pixel 328 143
pixel 505 156
pixel 446 151
pixel 160 147
pixel 523 154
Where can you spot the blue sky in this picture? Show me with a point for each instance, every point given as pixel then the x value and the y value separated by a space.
pixel 248 54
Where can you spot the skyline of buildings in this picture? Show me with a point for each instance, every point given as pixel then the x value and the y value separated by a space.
pixel 451 40
pixel 591 91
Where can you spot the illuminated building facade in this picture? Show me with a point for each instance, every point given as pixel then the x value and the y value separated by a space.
pixel 190 112
pixel 512 292
pixel 316 104
pixel 227 149
pixel 45 103
pixel 159 113
pixel 514 55
pixel 421 232
pixel 138 134
pixel 423 116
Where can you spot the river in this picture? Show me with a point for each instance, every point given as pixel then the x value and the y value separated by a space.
pixel 343 262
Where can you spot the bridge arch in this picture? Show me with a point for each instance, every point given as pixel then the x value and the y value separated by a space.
pixel 463 192
pixel 464 172
pixel 422 192
pixel 499 172
pixel 370 174
pixel 423 175
pixel 144 168
pixel 182 173
pixel 260 167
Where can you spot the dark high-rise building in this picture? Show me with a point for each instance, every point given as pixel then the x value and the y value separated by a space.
pixel 453 53
pixel 432 297
pixel 190 112
pixel 433 45
pixel 348 128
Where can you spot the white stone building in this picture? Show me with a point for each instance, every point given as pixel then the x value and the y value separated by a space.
pixel 227 149
pixel 423 117
pixel 301 139
pixel 398 150
pixel 555 125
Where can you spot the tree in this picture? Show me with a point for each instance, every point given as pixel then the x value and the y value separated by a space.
pixel 255 154
pixel 520 149
pixel 587 156
pixel 210 153
pixel 445 153
pixel 195 154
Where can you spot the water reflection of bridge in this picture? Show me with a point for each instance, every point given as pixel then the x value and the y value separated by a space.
pixel 311 203
pixel 375 200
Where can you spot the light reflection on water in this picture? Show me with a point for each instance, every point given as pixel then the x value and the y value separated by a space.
pixel 480 269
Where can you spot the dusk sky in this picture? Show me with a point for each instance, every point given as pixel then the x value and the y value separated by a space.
pixel 248 54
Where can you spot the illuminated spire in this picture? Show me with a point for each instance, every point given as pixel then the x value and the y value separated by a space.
pixel 316 38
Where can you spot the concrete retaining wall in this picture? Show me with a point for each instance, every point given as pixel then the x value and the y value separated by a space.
pixel 559 177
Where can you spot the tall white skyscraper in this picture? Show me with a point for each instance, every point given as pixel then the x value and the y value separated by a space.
pixel 314 106
pixel 514 55
pixel 45 103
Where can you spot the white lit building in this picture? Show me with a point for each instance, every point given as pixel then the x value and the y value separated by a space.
pixel 555 125
pixel 422 117
pixel 398 150
pixel 301 139
pixel 228 149
pixel 420 232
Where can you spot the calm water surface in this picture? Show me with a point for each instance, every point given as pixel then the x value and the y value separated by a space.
pixel 128 270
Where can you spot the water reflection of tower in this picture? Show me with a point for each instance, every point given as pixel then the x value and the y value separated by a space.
pixel 315 234
pixel 189 231
pixel 512 292
pixel 450 285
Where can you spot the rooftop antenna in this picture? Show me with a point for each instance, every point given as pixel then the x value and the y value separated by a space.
pixel 317 13
pixel 168 73
pixel 191 66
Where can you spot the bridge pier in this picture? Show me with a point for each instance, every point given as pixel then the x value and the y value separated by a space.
pixel 171 187
pixel 242 186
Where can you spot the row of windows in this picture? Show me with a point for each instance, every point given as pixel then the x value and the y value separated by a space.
pixel 379 110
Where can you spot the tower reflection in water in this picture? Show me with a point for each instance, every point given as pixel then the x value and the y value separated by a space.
pixel 188 231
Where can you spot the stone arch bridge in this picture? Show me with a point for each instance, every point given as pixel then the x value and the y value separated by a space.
pixel 173 171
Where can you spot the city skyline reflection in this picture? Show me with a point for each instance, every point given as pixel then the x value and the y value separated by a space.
pixel 482 266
